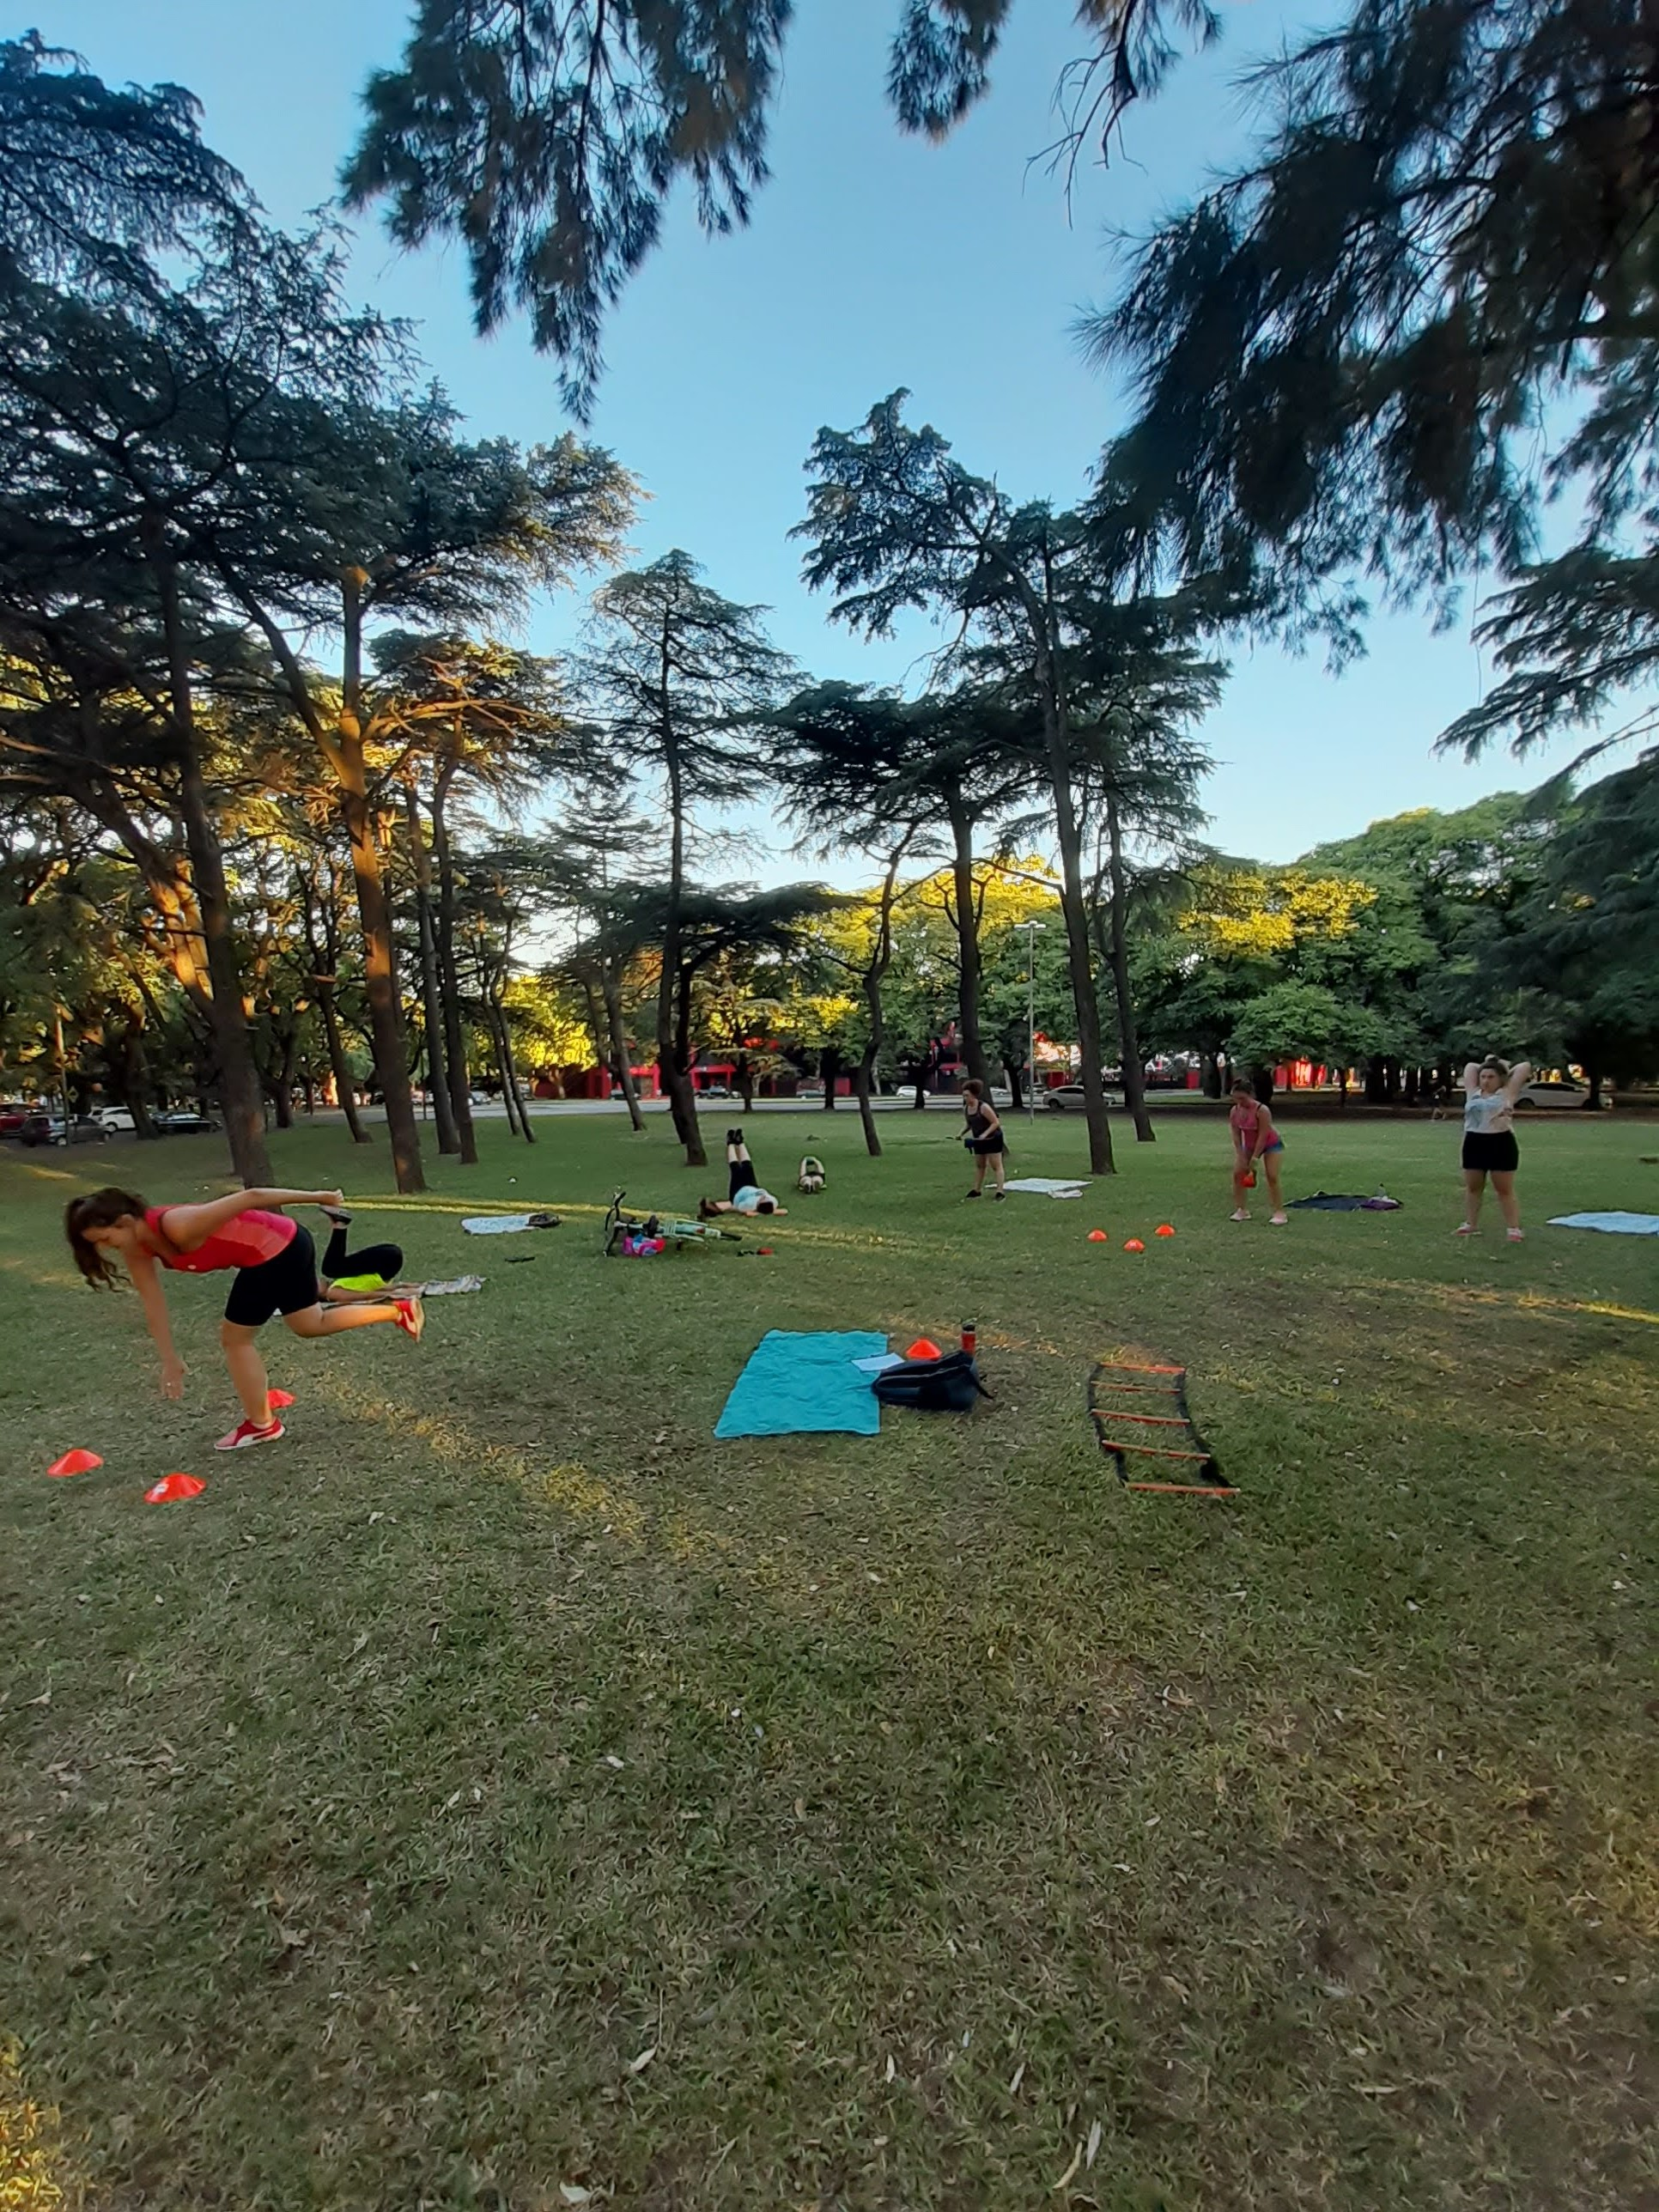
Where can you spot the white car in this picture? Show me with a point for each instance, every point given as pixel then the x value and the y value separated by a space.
pixel 1068 1098
pixel 1564 1095
pixel 117 1120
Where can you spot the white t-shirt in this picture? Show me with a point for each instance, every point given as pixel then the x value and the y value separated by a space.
pixel 1490 1114
pixel 751 1198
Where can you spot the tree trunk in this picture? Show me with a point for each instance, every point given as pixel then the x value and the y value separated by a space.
pixel 385 1013
pixel 1073 905
pixel 386 1039
pixel 830 1065
pixel 282 1088
pixel 455 1067
pixel 745 1074
pixel 1075 910
pixel 238 1076
pixel 134 1072
pixel 1014 1069
pixel 970 964
pixel 611 986
pixel 510 1073
pixel 674 1059
pixel 1134 1071
pixel 443 1104
pixel 919 1077
pixel 345 1088
pixel 1593 1096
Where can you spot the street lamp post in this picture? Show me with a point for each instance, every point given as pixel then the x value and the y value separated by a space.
pixel 1033 930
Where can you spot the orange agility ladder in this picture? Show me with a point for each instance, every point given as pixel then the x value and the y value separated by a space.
pixel 1139 1406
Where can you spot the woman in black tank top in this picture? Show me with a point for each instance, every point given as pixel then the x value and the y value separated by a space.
pixel 983 1138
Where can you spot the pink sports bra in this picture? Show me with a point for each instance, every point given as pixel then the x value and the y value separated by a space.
pixel 248 1241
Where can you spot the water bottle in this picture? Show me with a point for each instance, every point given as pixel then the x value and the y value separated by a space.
pixel 969 1338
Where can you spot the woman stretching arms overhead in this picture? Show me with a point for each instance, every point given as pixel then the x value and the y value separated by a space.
pixel 276 1272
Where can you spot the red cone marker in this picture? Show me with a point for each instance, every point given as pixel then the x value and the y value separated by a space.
pixel 75 1463
pixel 173 1486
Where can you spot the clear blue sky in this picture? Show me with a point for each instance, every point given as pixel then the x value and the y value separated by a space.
pixel 874 260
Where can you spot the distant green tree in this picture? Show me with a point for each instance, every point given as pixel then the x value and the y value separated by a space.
pixel 894 522
pixel 681 682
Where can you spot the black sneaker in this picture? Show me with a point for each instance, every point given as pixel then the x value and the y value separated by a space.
pixel 337 1214
pixel 976 1194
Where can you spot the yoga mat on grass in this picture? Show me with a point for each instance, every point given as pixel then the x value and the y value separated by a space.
pixel 800 1381
pixel 1050 1186
pixel 1615 1225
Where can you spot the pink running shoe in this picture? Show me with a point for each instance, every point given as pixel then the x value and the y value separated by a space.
pixel 1517 1236
pixel 245 1433
pixel 412 1316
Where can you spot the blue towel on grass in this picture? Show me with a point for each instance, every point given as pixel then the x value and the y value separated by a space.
pixel 797 1381
pixel 1616 1225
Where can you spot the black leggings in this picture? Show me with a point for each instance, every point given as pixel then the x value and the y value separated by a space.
pixel 742 1171
pixel 385 1260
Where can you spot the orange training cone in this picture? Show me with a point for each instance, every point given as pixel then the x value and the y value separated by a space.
pixel 75 1463
pixel 1134 1244
pixel 924 1348
pixel 1163 1228
pixel 280 1398
pixel 172 1486
pixel 1097 1235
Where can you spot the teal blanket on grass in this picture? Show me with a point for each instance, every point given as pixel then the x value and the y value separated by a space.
pixel 799 1381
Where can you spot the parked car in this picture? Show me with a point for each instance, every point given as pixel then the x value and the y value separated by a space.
pixel 12 1118
pixel 1565 1093
pixel 117 1120
pixel 716 1090
pixel 185 1123
pixel 1068 1098
pixel 50 1130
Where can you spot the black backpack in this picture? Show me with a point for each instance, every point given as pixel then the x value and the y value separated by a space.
pixel 948 1385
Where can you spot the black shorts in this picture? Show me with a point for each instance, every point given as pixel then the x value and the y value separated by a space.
pixel 286 1285
pixel 1497 1153
pixel 988 1147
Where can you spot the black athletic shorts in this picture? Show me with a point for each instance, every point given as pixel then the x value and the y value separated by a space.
pixel 988 1147
pixel 1498 1152
pixel 286 1285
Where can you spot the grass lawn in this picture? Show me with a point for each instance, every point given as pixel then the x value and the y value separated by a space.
pixel 500 1789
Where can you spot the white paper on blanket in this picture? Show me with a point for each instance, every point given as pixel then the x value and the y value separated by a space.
pixel 881 1362
pixel 1615 1225
pixel 1049 1187
pixel 496 1225
pixel 448 1290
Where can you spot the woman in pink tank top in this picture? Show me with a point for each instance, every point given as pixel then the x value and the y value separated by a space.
pixel 274 1272
pixel 1256 1143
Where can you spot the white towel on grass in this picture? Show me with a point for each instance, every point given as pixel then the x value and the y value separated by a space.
pixel 1050 1186
pixel 1616 1225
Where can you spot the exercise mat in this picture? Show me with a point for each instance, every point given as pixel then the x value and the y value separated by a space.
pixel 801 1381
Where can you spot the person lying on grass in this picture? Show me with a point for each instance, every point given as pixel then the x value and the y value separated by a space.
pixel 349 1278
pixel 1255 1140
pixel 276 1272
pixel 745 1194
